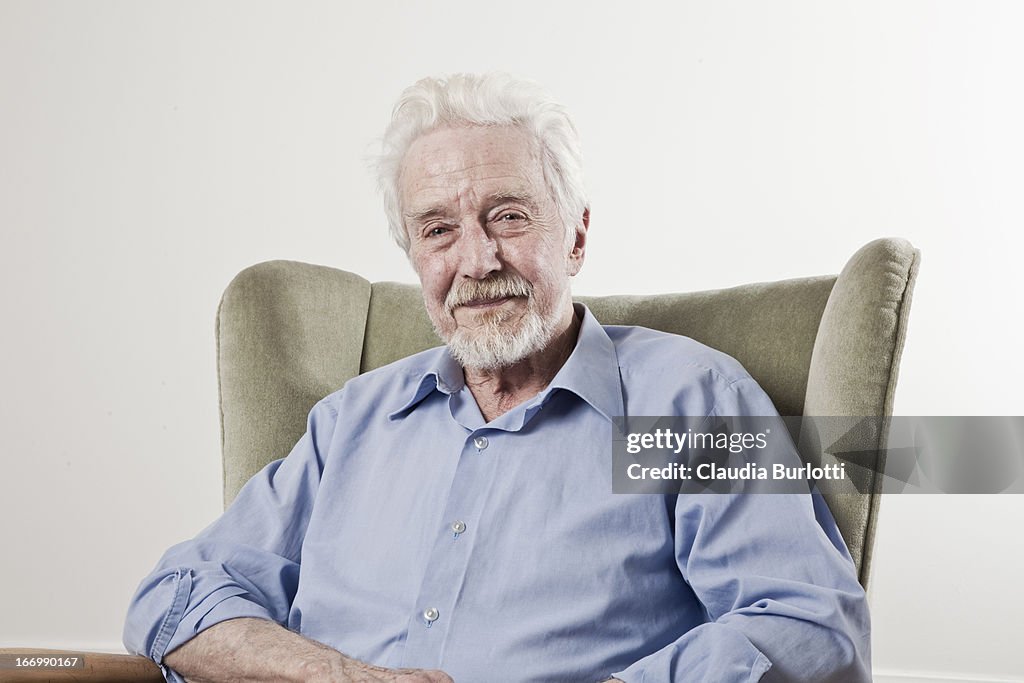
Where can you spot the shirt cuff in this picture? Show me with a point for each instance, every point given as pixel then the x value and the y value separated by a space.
pixel 230 606
pixel 181 621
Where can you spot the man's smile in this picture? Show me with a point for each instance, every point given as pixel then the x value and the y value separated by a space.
pixel 483 304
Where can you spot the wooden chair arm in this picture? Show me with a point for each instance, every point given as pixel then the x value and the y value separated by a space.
pixel 97 666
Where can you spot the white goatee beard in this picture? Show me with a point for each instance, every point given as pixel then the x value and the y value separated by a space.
pixel 493 345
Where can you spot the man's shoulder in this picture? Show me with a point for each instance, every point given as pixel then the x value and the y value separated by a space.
pixel 389 383
pixel 669 374
pixel 643 351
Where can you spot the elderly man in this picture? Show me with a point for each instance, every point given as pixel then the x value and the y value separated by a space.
pixel 450 516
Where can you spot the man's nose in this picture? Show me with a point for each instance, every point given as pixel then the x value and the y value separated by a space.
pixel 479 252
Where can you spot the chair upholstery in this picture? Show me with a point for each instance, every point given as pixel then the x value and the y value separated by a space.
pixel 290 333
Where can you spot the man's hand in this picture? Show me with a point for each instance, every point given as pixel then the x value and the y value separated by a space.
pixel 261 650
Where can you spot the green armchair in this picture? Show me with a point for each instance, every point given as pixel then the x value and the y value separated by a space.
pixel 290 333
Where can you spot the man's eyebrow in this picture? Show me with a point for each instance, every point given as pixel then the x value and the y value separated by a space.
pixel 439 210
pixel 517 197
pixel 430 212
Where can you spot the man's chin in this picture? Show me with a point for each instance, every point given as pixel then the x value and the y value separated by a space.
pixel 493 350
pixel 476 361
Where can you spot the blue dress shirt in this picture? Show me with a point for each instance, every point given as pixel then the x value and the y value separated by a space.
pixel 406 531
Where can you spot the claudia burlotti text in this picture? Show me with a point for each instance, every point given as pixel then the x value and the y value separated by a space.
pixel 713 456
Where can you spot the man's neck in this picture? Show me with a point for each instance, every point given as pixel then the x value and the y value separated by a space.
pixel 498 391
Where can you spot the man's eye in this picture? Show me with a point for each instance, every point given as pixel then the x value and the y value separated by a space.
pixel 509 216
pixel 436 231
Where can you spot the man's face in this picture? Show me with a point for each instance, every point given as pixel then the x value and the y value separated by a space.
pixel 488 243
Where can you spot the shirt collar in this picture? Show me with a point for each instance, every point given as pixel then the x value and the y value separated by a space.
pixel 591 372
pixel 442 374
pixel 592 369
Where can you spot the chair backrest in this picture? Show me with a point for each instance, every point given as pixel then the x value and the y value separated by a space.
pixel 290 333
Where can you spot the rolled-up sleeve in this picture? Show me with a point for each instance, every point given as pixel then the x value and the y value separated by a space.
pixel 245 564
pixel 778 585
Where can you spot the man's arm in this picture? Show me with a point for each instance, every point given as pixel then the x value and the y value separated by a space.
pixel 775 578
pixel 243 569
pixel 259 650
pixel 782 604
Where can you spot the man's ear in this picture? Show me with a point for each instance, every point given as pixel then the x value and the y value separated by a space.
pixel 579 246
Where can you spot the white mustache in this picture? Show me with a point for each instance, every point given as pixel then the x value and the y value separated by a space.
pixel 494 287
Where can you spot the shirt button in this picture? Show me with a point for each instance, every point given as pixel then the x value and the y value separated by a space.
pixel 480 442
pixel 430 615
pixel 458 526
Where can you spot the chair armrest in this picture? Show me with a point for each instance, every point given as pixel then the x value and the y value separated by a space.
pixel 98 666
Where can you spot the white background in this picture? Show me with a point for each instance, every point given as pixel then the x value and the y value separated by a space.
pixel 149 151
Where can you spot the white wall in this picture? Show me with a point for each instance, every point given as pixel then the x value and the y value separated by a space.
pixel 149 151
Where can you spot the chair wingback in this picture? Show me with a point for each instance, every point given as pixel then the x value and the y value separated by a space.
pixel 290 333
pixel 853 373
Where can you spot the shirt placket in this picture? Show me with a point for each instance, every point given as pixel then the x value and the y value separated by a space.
pixel 445 573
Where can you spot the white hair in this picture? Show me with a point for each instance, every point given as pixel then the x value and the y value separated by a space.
pixel 494 99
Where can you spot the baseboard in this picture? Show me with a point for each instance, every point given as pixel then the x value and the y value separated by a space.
pixel 929 677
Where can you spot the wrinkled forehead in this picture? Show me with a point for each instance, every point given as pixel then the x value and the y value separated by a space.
pixel 470 160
